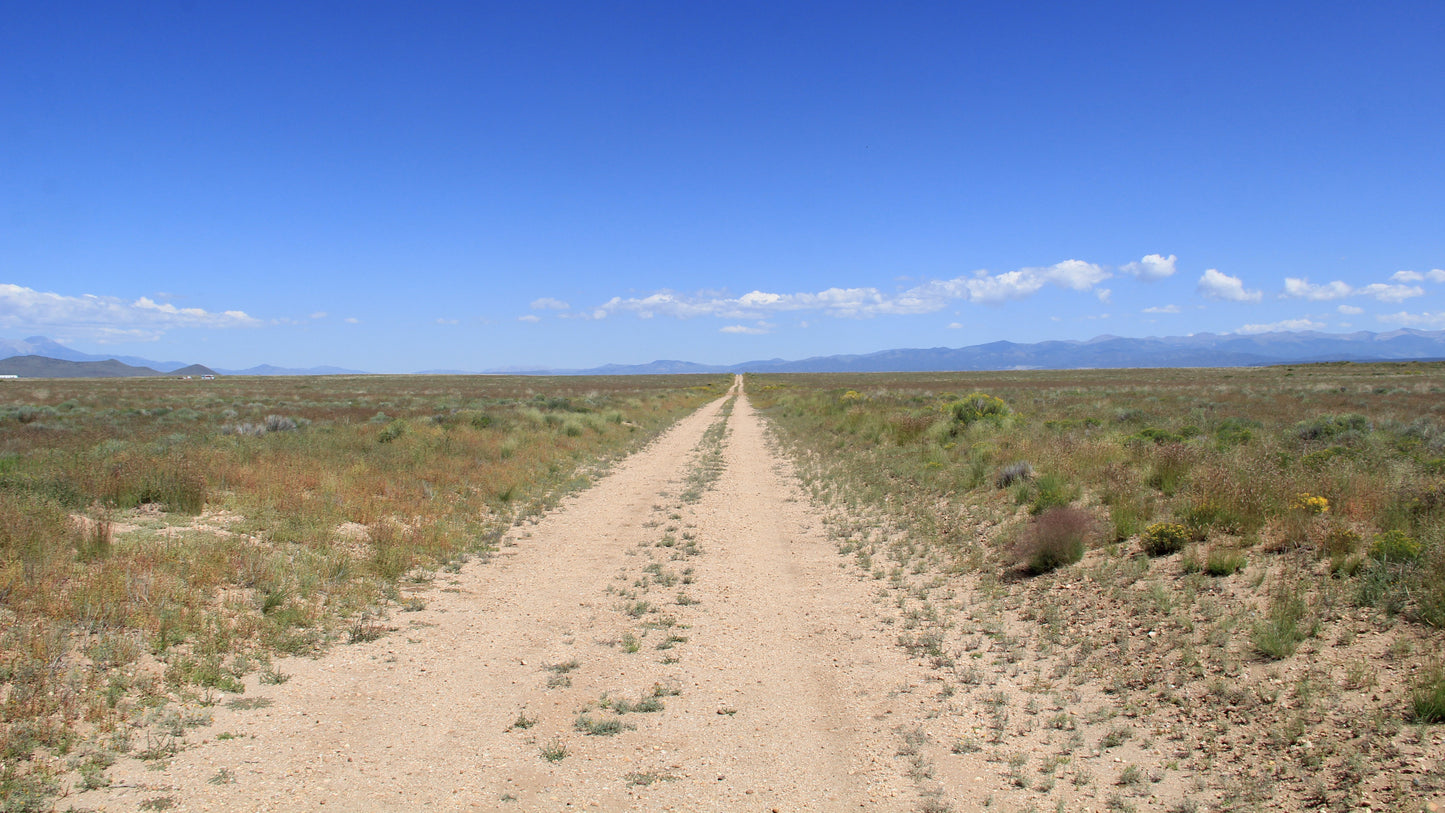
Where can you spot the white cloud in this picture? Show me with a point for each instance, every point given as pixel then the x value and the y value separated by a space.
pixel 1391 293
pixel 106 317
pixel 1217 285
pixel 445 321
pixel 1162 309
pixel 955 326
pixel 1075 275
pixel 319 315
pixel 1350 310
pixel 1104 295
pixel 749 330
pixel 1434 275
pixel 1287 324
pixel 1426 319
pixel 547 303
pixel 352 320
pixel 1152 267
pixel 928 297
pixel 530 317
pixel 1297 288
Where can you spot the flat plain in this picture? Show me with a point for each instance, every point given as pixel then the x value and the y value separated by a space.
pixel 1148 590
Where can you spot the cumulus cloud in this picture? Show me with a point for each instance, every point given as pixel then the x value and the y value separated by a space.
pixel 1151 267
pixel 1074 275
pixel 929 297
pixel 106 317
pixel 1350 310
pixel 1162 309
pixel 530 317
pixel 1295 288
pixel 1391 293
pixel 547 303
pixel 1433 275
pixel 1287 324
pixel 1217 285
pixel 1426 319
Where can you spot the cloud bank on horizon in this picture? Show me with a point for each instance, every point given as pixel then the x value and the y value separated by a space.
pixel 107 319
pixel 986 288
pixel 104 318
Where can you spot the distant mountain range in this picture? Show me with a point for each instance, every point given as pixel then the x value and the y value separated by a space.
pixel 42 346
pixel 1199 350
pixel 44 367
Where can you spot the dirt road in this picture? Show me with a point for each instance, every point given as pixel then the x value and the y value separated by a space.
pixel 681 636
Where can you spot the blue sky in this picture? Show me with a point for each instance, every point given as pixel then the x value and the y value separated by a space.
pixel 395 187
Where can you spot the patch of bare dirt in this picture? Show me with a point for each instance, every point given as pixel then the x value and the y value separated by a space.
pixel 681 636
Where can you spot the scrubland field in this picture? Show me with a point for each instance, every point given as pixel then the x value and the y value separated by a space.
pixel 1178 590
pixel 162 539
pixel 1181 589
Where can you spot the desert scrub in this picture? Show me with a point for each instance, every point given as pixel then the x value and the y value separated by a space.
pixel 1226 454
pixel 1164 538
pixel 977 406
pixel 1394 547
pixel 1017 472
pixel 1057 537
pixel 262 517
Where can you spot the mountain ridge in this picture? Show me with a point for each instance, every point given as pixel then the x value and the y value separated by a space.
pixel 1103 351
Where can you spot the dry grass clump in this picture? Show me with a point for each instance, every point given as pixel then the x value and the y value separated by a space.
pixel 1057 537
pixel 1427 701
pixel 160 537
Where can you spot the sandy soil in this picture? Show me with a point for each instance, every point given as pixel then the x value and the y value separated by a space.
pixel 775 677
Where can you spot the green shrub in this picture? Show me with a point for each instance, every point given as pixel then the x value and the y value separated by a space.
pixel 978 406
pixel 57 487
pixel 1234 432
pixel 1163 538
pixel 392 431
pixel 1330 427
pixel 1394 547
pixel 1152 435
pixel 1051 491
pixel 1319 458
